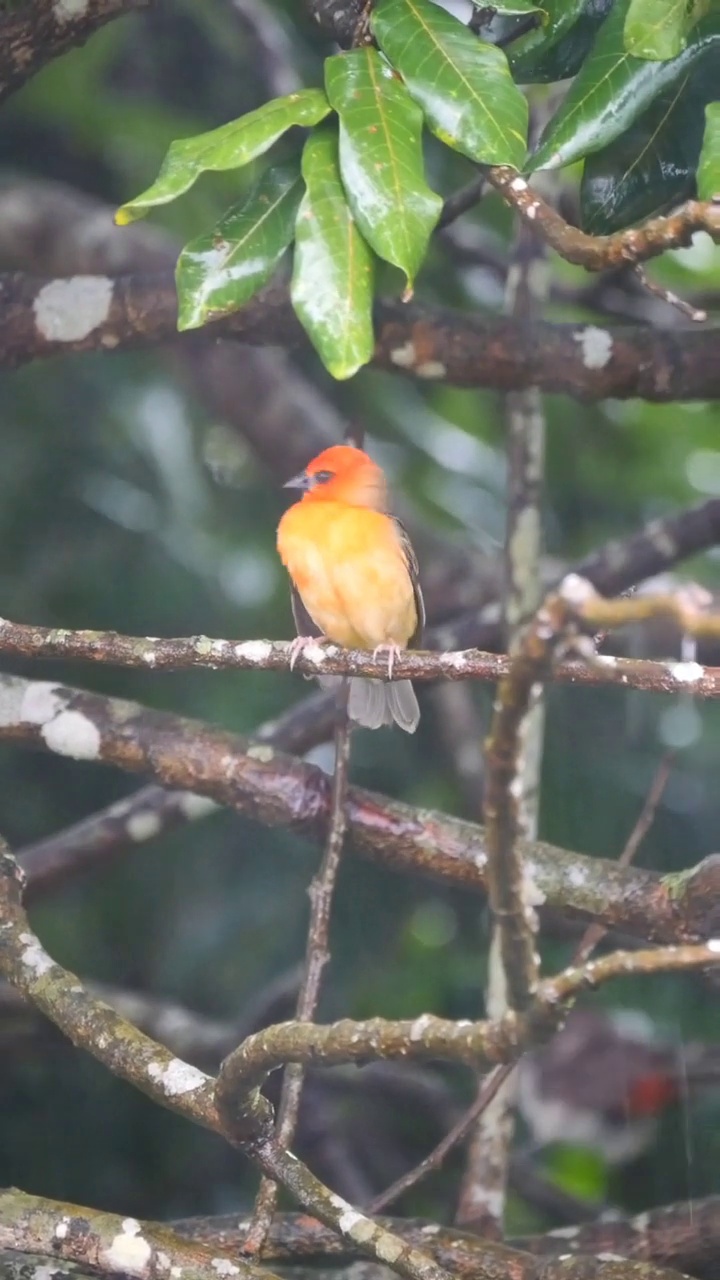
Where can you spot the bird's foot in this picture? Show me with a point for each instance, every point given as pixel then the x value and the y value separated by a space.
pixel 301 643
pixel 392 650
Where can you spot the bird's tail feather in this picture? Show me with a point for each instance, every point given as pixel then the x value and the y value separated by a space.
pixel 373 703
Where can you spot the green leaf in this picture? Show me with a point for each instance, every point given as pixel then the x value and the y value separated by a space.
pixel 332 283
pixel 558 49
pixel 221 270
pixel 708 179
pixel 463 85
pixel 229 147
pixel 658 29
pixel 381 158
pixel 509 6
pixel 613 89
pixel 645 170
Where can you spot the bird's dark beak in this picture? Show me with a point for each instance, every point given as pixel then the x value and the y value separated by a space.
pixel 301 481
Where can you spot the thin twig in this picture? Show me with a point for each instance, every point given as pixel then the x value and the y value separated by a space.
pixel 462 200
pixel 595 933
pixel 492 1082
pixel 316 958
pixel 673 299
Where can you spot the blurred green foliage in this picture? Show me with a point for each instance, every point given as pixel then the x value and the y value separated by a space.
pixel 124 505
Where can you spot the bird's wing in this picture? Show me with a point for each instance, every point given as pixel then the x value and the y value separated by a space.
pixel 413 569
pixel 304 624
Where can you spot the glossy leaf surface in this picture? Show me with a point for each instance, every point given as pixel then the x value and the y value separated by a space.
pixel 229 147
pixel 557 50
pixel 221 270
pixel 613 89
pixel 381 159
pixel 510 6
pixel 658 29
pixel 708 181
pixel 463 85
pixel 647 169
pixel 332 283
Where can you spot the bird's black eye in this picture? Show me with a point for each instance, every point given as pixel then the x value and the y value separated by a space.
pixel 322 477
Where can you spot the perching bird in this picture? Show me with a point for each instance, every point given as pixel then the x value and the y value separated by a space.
pixel 354 576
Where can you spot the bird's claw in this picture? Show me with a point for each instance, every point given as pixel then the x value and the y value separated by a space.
pixel 392 651
pixel 299 644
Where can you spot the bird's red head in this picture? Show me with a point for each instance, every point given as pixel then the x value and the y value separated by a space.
pixel 342 474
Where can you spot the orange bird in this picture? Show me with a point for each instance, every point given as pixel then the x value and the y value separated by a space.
pixel 354 576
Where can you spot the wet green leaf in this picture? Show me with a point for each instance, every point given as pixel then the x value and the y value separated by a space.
pixel 613 89
pixel 332 283
pixel 658 29
pixel 647 169
pixel 229 147
pixel 558 49
pixel 708 179
pixel 463 85
pixel 221 270
pixel 381 159
pixel 509 6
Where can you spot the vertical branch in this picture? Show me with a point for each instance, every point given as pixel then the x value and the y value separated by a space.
pixel 317 955
pixel 512 966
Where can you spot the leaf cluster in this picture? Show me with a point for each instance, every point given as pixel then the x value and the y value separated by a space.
pixel 639 112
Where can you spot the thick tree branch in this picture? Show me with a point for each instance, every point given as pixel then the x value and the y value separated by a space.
pixel 50 229
pixel 86 1021
pixel 39 318
pixel 149 812
pixel 39 30
pixel 278 790
pixel 683 1235
pixel 245 1112
pixel 174 1083
pixel 109 1245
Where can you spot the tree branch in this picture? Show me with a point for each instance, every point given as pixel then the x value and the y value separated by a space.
pixel 338 19
pixel 243 1073
pixel 279 790
pixel 109 1245
pixel 175 1084
pixel 40 30
pixel 684 1235
pixel 39 318
pixel 598 253
pixel 611 569
pixel 513 962
pixel 151 811
pixel 182 653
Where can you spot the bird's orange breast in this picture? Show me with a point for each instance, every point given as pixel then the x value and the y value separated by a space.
pixel 348 565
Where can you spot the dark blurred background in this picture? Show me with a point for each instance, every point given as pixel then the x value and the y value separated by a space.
pixel 128 502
